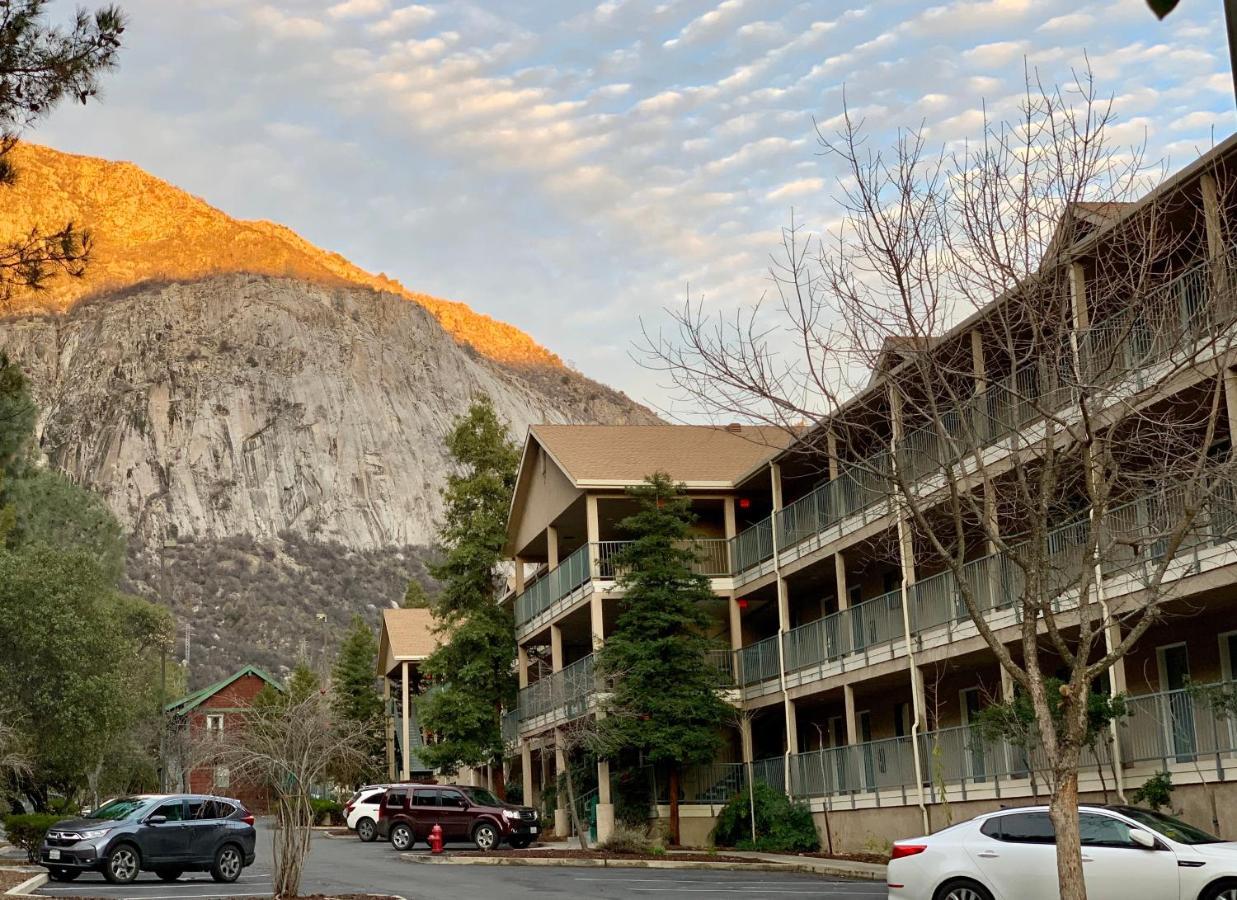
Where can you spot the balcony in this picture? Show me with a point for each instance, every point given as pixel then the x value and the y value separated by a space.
pixel 581 568
pixel 565 695
pixel 1130 342
pixel 874 630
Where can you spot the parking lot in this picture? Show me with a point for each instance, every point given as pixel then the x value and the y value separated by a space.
pixel 339 866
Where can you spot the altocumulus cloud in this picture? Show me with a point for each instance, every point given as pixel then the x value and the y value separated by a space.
pixel 571 167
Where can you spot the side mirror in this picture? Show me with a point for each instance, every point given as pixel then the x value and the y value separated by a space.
pixel 1142 838
pixel 156 820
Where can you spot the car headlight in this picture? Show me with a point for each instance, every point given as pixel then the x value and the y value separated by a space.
pixel 91 835
pixel 512 814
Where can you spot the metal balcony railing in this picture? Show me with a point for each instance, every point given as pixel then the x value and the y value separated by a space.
pixel 1178 726
pixel 566 694
pixel 712 557
pixel 854 630
pixel 551 587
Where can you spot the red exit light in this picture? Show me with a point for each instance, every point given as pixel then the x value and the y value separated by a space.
pixel 744 503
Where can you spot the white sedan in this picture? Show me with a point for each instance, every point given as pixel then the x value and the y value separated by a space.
pixel 1011 855
pixel 361 812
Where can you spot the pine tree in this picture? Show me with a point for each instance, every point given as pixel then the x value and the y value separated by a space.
pixel 474 662
pixel 665 707
pixel 40 65
pixel 416 597
pixel 355 698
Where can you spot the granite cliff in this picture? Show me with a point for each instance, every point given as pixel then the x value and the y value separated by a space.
pixel 265 418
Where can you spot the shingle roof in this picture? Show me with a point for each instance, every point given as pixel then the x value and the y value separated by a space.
pixel 409 632
pixel 626 454
pixel 198 697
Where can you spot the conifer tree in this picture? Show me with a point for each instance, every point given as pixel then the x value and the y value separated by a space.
pixel 40 65
pixel 474 662
pixel 665 706
pixel 355 698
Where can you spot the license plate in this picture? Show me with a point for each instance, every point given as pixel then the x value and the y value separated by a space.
pixel 533 830
pixel 53 854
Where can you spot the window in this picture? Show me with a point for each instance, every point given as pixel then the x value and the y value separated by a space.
pixel 1025 828
pixel 214 725
pixel 395 799
pixel 453 799
pixel 1168 826
pixel 196 808
pixel 371 797
pixel 425 798
pixel 214 809
pixel 1103 831
pixel 173 811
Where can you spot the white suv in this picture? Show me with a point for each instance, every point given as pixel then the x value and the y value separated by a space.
pixel 361 812
pixel 1012 855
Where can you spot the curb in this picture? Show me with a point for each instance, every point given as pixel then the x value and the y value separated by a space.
pixel 27 887
pixel 797 868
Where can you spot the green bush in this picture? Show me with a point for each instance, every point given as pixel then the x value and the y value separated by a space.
pixel 1156 792
pixel 26 830
pixel 781 826
pixel 326 812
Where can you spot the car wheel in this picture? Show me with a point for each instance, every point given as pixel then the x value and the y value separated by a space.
pixel 1225 890
pixel 123 864
pixel 63 874
pixel 521 843
pixel 485 836
pixel 962 889
pixel 228 864
pixel 169 874
pixel 366 829
pixel 401 838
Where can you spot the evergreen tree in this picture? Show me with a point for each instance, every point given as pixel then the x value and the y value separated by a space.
pixel 474 663
pixel 355 698
pixel 415 597
pixel 665 707
pixel 40 65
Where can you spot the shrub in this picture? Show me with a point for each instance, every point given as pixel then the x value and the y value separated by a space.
pixel 326 812
pixel 27 830
pixel 626 840
pixel 781 826
pixel 1156 792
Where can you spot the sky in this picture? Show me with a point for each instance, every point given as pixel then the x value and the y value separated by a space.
pixel 577 169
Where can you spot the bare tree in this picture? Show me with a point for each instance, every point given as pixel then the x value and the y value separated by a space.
pixel 14 761
pixel 1017 354
pixel 288 744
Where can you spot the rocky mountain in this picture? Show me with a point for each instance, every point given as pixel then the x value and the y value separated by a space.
pixel 265 418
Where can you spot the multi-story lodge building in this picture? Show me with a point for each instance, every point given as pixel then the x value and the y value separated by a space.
pixel 856 672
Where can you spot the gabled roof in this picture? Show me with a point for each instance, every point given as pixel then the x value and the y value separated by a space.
pixel 197 698
pixel 621 455
pixel 407 634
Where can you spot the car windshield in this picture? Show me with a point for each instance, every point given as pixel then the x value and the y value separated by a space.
pixel 1171 828
pixel 121 809
pixel 482 797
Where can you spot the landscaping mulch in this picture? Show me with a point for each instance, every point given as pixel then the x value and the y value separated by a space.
pixel 601 854
pixel 11 878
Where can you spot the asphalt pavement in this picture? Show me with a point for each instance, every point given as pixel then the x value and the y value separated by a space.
pixel 339 865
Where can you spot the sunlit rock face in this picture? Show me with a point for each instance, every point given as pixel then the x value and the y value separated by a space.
pixel 277 412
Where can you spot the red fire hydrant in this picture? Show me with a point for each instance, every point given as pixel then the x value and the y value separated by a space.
pixel 436 839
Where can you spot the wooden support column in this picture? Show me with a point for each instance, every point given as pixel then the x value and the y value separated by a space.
pixel 839 579
pixel 556 648
pixel 526 772
pixel 390 726
pixel 597 621
pixel 518 575
pixel 405 768
pixel 605 805
pixel 592 530
pixel 831 447
pixel 521 657
pixel 852 718
pixel 562 822
pixel 1211 216
pixel 1230 405
pixel 551 546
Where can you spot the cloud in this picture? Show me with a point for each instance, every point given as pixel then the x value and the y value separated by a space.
pixel 797 188
pixel 350 8
pixel 406 18
pixel 622 149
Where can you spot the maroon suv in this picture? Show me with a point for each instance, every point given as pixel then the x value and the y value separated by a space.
pixel 409 811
